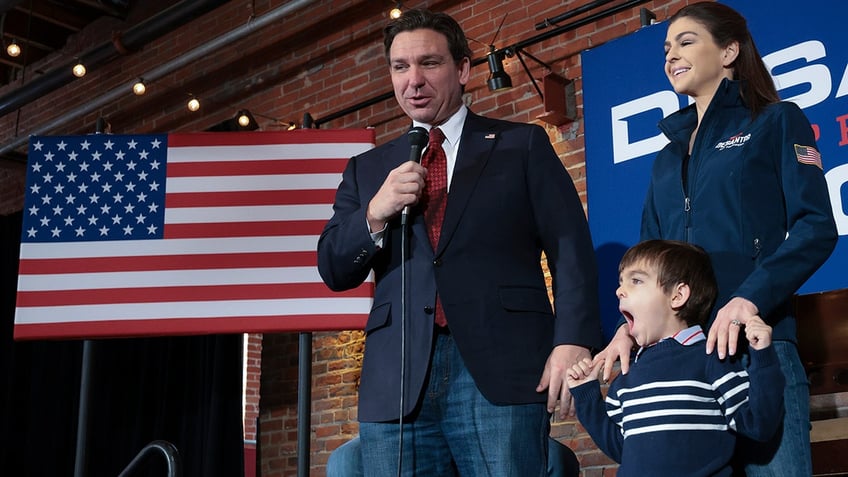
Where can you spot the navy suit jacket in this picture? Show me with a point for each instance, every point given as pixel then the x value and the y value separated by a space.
pixel 510 199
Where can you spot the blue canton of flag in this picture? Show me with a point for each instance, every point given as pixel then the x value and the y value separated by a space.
pixel 95 187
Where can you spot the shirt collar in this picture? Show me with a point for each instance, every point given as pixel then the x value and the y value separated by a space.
pixel 686 337
pixel 690 335
pixel 452 128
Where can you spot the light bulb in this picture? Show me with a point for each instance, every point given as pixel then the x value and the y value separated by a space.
pixel 193 104
pixel 139 88
pixel 13 49
pixel 244 120
pixel 396 12
pixel 79 70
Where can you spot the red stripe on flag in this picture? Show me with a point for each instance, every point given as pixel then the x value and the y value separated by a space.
pixel 245 229
pixel 274 291
pixel 252 168
pixel 298 136
pixel 241 198
pixel 168 262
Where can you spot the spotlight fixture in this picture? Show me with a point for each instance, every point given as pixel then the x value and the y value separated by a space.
pixel 139 88
pixel 498 78
pixel 193 104
pixel 102 126
pixel 396 12
pixel 13 49
pixel 308 122
pixel 647 17
pixel 79 70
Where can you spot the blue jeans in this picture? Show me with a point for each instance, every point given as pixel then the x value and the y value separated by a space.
pixel 455 429
pixel 788 453
pixel 346 460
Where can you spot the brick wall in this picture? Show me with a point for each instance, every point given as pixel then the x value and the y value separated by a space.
pixel 253 372
pixel 319 60
pixel 336 356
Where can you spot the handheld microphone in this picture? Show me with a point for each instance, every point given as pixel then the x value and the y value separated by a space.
pixel 418 138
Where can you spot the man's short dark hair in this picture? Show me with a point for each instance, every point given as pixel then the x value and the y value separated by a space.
pixel 415 19
pixel 675 263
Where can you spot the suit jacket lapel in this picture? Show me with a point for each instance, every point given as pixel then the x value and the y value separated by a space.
pixel 475 148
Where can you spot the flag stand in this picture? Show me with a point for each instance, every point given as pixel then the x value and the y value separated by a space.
pixel 304 401
pixel 80 459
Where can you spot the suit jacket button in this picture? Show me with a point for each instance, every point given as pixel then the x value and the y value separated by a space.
pixel 437 262
pixel 428 309
pixel 360 259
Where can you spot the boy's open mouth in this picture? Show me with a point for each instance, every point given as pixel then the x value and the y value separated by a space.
pixel 627 317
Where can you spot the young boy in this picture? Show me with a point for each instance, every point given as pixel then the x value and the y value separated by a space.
pixel 678 410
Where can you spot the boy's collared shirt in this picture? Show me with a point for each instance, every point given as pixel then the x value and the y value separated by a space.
pixel 686 337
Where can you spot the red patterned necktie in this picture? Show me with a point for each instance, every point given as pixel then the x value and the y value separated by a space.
pixel 436 187
pixel 435 197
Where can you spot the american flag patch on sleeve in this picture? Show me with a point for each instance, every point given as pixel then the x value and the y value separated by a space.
pixel 808 155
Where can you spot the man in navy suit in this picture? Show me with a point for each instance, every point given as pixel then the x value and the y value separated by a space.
pixel 479 391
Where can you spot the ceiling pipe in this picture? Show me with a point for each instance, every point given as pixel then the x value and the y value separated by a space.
pixel 131 40
pixel 160 71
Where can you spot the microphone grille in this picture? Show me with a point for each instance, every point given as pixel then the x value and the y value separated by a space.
pixel 418 136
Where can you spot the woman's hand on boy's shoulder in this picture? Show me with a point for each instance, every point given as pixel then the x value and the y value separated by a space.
pixel 725 329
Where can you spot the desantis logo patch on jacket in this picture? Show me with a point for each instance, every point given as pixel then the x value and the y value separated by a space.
pixel 735 141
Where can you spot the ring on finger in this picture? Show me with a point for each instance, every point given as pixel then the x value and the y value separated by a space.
pixel 736 322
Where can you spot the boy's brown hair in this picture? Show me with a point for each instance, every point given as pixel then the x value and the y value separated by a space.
pixel 679 262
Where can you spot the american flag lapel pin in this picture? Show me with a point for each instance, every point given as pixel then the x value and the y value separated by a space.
pixel 490 136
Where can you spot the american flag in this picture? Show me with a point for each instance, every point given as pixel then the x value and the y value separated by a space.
pixel 130 235
pixel 808 155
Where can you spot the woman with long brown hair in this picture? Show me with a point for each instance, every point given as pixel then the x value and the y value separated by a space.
pixel 742 178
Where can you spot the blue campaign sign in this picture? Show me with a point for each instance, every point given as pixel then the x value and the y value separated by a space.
pixel 626 93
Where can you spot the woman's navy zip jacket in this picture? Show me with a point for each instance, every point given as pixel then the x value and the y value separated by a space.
pixel 753 198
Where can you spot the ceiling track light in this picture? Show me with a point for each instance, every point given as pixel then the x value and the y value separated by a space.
pixel 498 78
pixel 397 11
pixel 139 88
pixel 79 69
pixel 13 50
pixel 647 17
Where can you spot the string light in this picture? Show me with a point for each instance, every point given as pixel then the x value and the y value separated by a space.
pixel 396 12
pixel 13 49
pixel 79 70
pixel 193 104
pixel 139 88
pixel 243 119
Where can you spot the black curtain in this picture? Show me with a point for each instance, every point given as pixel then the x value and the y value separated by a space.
pixel 184 390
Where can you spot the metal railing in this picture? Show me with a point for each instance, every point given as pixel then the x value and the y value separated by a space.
pixel 168 451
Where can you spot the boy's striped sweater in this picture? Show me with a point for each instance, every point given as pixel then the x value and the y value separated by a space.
pixel 677 412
